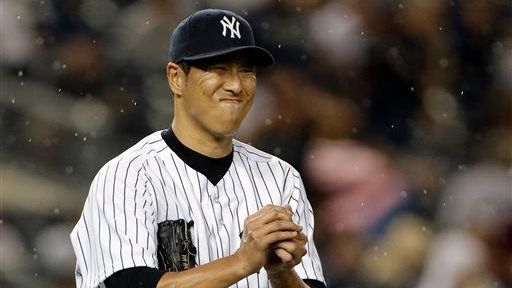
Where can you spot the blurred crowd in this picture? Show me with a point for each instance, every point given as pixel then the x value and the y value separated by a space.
pixel 398 114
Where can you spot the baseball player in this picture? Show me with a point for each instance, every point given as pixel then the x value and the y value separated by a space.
pixel 241 215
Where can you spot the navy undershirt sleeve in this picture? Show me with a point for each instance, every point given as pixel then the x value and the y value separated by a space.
pixel 135 277
pixel 314 283
pixel 146 277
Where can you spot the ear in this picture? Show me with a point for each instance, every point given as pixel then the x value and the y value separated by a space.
pixel 176 78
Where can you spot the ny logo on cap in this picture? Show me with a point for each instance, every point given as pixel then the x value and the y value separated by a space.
pixel 233 25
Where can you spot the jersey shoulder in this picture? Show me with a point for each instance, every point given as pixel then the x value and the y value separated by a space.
pixel 137 154
pixel 256 155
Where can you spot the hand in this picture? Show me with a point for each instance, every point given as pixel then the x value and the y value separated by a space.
pixel 286 254
pixel 270 225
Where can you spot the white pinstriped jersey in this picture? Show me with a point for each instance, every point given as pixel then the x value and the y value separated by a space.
pixel 149 183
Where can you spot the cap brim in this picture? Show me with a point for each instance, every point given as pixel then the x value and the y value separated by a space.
pixel 259 56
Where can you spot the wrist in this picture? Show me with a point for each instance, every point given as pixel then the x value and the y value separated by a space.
pixel 278 273
pixel 242 262
pixel 285 278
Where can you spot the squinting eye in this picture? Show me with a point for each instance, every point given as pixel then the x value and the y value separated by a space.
pixel 248 70
pixel 218 68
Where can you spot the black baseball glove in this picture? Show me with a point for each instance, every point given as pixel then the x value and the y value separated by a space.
pixel 176 252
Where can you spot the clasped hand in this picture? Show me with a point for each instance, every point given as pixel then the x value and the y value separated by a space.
pixel 271 240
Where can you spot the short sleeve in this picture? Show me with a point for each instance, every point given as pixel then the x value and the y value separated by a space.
pixel 295 195
pixel 117 228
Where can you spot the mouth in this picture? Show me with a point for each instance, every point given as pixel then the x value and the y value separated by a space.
pixel 231 100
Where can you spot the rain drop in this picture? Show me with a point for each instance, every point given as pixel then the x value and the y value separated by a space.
pixel 84 139
pixel 40 41
pixel 56 65
pixel 47 142
pixel 443 62
pixel 268 122
pixel 18 18
pixel 20 73
pixel 69 170
pixel 147 21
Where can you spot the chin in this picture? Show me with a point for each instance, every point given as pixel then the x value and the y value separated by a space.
pixel 227 131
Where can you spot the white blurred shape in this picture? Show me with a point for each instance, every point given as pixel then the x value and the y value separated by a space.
pixel 17 20
pixel 480 197
pixel 337 36
pixel 451 255
pixel 55 250
pixel 439 104
pixel 89 116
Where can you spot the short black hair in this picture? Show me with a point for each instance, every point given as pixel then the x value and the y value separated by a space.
pixel 185 66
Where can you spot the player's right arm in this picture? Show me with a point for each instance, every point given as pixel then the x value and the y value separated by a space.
pixel 266 227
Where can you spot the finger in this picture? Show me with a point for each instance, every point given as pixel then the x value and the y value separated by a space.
pixel 262 211
pixel 302 237
pixel 292 247
pixel 283 255
pixel 267 217
pixel 277 236
pixel 288 246
pixel 278 225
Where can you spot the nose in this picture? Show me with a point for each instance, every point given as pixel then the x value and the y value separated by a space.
pixel 233 83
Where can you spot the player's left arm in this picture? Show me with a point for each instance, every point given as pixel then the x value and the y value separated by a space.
pixel 299 263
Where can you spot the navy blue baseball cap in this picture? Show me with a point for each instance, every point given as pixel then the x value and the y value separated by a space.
pixel 213 32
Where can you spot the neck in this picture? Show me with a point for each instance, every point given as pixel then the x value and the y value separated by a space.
pixel 203 142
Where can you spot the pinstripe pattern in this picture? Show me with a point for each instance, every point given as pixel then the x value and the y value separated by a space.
pixel 149 183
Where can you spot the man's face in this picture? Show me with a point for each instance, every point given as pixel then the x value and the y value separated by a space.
pixel 218 94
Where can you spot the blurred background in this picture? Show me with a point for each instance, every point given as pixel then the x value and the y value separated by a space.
pixel 398 114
